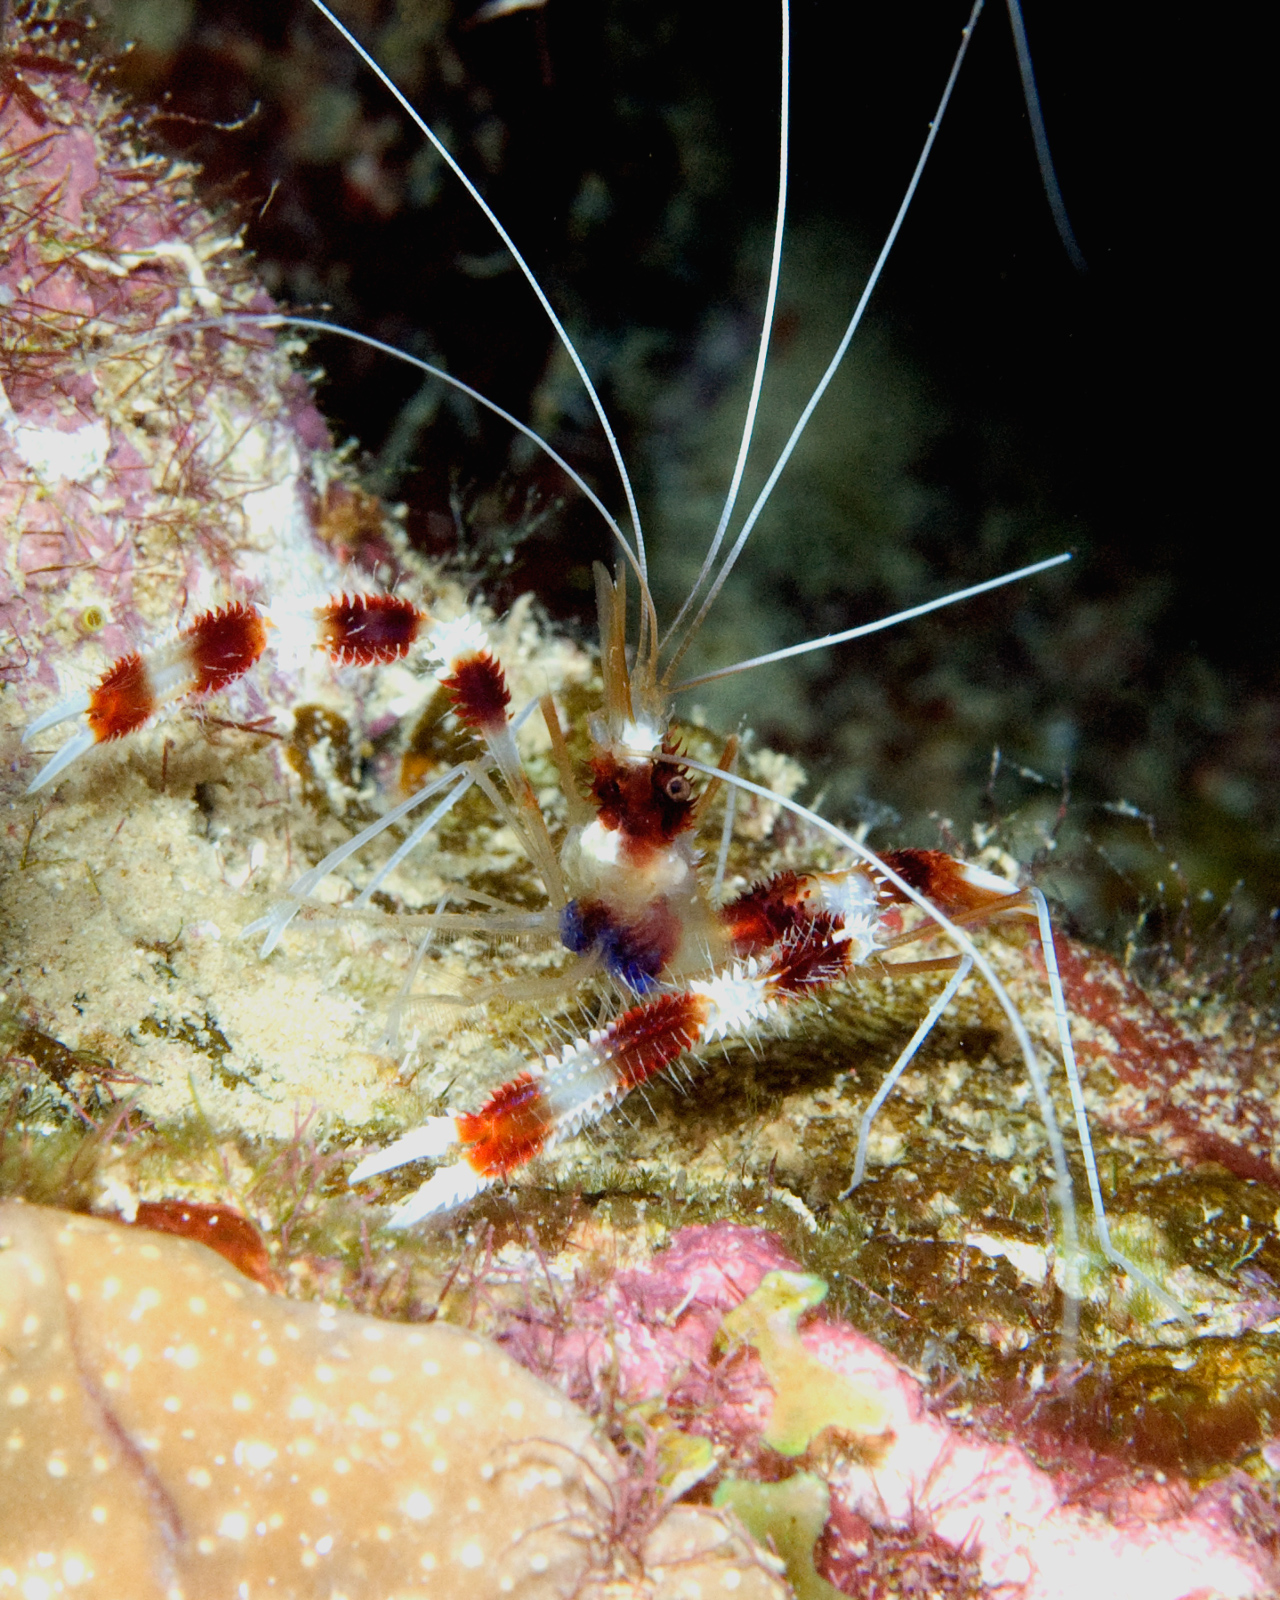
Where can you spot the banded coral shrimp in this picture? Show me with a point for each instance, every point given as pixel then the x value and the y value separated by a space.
pixel 786 913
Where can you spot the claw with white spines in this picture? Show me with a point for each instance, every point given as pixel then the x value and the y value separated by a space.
pixel 74 748
pixel 445 1190
pixel 75 705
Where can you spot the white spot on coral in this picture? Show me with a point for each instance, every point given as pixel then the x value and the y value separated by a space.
pixel 186 1356
pixel 241 1401
pixel 56 1467
pixel 381 1375
pixel 539 1563
pixel 18 1396
pixel 266 1356
pixel 417 1505
pixel 235 1525
pixel 471 1555
pixel 301 1407
pixel 147 1300
pixel 199 1477
pixel 319 1497
pixel 323 1546
pixel 255 1453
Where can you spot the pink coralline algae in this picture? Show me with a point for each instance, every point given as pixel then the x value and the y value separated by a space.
pixel 650 1340
pixel 1206 1098
pixel 150 463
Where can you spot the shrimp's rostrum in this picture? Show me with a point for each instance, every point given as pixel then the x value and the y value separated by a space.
pixel 634 887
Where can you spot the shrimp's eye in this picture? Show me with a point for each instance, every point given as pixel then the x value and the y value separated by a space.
pixel 677 787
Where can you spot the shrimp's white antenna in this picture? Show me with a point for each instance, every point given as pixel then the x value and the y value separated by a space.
pixel 881 623
pixel 762 498
pixel 1040 138
pixel 425 128
pixel 766 328
pixel 287 319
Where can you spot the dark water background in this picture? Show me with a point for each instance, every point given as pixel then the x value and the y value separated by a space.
pixel 1001 406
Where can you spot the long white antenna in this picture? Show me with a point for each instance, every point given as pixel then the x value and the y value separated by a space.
pixel 766 328
pixel 317 324
pixel 763 498
pixel 287 319
pixel 1040 138
pixel 437 144
pixel 881 623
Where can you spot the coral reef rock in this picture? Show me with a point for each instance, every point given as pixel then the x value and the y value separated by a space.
pixel 171 1429
pixel 149 457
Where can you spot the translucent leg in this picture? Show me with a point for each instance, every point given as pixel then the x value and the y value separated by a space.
pixel 391 1038
pixel 1116 1257
pixel 281 915
pixel 899 1067
pixel 726 837
pixel 409 845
